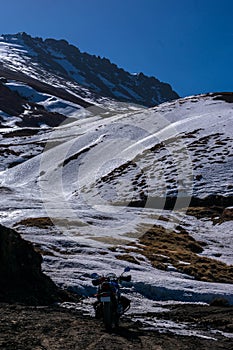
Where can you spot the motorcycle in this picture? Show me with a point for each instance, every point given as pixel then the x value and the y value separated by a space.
pixel 110 304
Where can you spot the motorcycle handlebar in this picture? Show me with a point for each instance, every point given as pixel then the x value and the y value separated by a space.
pixel 98 281
pixel 126 278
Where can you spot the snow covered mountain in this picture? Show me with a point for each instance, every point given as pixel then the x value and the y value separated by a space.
pixel 57 62
pixel 87 191
pixel 97 184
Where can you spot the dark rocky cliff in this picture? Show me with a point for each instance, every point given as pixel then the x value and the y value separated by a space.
pixel 20 272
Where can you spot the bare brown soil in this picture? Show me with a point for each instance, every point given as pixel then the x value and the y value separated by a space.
pixel 53 328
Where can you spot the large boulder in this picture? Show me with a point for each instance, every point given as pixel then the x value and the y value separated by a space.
pixel 20 272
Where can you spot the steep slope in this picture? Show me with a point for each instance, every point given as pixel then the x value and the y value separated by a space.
pixel 57 61
pixel 91 192
pixel 102 183
pixel 168 156
pixel 180 150
pixel 177 151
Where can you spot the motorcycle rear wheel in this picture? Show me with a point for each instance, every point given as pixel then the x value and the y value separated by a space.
pixel 108 316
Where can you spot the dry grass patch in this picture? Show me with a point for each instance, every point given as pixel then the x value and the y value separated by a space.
pixel 110 240
pixel 129 258
pixel 205 212
pixel 215 214
pixel 40 222
pixel 164 247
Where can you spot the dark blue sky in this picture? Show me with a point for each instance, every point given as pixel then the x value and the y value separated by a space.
pixel 187 43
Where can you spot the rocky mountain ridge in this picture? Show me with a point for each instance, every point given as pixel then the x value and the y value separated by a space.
pixel 96 74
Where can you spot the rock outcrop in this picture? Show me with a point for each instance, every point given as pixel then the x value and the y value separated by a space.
pixel 20 272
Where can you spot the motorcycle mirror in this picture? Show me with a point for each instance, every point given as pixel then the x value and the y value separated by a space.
pixel 127 269
pixel 94 275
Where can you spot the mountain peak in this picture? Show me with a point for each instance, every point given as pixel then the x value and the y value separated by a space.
pixel 99 75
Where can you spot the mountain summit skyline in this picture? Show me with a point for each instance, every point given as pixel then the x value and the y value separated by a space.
pixel 21 51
